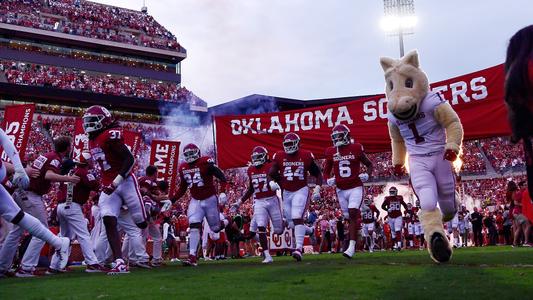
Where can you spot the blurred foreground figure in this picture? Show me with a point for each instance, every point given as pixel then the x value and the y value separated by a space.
pixel 519 92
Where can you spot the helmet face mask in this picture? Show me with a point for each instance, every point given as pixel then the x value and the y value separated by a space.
pixel 92 123
pixel 340 135
pixel 291 143
pixel 259 156
pixel 96 118
pixel 393 191
pixel 191 153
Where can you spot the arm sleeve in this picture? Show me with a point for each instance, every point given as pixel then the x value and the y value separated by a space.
pixel 10 150
pixel 328 166
pixel 448 118
pixel 220 176
pixel 249 191
pixel 181 190
pixel 397 144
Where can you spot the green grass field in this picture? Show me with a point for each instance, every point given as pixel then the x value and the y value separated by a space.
pixel 486 273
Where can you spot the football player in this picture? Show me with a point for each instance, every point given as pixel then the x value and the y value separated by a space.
pixel 290 168
pixel 48 166
pixel 152 197
pixel 266 203
pixel 196 174
pixel 344 159
pixel 11 212
pixel 119 185
pixel 393 205
pixel 370 214
pixel 72 224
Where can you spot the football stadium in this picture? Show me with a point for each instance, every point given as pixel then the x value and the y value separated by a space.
pixel 118 182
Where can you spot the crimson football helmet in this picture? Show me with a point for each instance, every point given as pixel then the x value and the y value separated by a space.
pixel 191 153
pixel 259 156
pixel 393 191
pixel 291 143
pixel 96 118
pixel 341 135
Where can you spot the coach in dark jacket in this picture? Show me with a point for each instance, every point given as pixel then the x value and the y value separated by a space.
pixel 477 225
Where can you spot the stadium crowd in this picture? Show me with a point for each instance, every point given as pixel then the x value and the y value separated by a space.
pixel 64 78
pixel 89 19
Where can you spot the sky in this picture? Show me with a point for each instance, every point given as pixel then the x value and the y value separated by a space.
pixel 314 49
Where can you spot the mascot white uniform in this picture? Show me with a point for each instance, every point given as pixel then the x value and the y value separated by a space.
pixel 424 125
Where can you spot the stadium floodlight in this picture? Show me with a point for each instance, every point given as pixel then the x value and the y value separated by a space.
pixel 399 19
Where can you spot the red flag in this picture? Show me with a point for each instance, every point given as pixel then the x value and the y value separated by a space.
pixel 165 156
pixel 133 141
pixel 17 126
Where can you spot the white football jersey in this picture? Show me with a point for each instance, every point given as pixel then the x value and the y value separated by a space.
pixel 423 134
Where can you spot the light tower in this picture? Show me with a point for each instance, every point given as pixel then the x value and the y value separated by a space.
pixel 399 19
pixel 144 8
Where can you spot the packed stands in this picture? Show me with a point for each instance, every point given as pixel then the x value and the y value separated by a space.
pixel 503 155
pixel 89 19
pixel 63 78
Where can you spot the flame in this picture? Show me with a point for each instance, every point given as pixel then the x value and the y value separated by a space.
pixel 458 163
pixel 406 164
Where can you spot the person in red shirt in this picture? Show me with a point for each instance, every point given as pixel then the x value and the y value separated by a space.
pixel 345 159
pixel 290 169
pixel 11 212
pixel 119 185
pixel 196 174
pixel 266 206
pixel 392 204
pixel 71 198
pixel 49 166
pixel 369 214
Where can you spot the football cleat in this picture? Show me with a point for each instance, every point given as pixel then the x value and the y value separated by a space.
pixel 96 118
pixel 268 260
pixel 63 253
pixel 191 153
pixel 349 253
pixel 96 268
pixel 439 248
pixel 143 265
pixel 21 273
pixel 297 254
pixel 118 267
pixel 341 135
pixel 52 271
pixel 191 262
pixel 291 143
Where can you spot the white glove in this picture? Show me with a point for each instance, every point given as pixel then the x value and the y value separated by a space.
pixel 331 181
pixel 21 179
pixel 316 193
pixel 166 205
pixel 274 186
pixel 235 206
pixel 364 177
pixel 222 198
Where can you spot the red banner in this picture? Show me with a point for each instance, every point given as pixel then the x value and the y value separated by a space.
pixel 477 97
pixel 133 141
pixel 17 126
pixel 165 156
pixel 81 140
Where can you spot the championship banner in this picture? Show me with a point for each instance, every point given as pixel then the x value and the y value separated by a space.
pixel 477 97
pixel 17 126
pixel 81 140
pixel 133 141
pixel 282 241
pixel 165 156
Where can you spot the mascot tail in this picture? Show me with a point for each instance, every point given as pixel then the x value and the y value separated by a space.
pixel 439 247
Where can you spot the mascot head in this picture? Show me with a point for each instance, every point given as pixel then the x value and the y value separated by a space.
pixel 406 85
